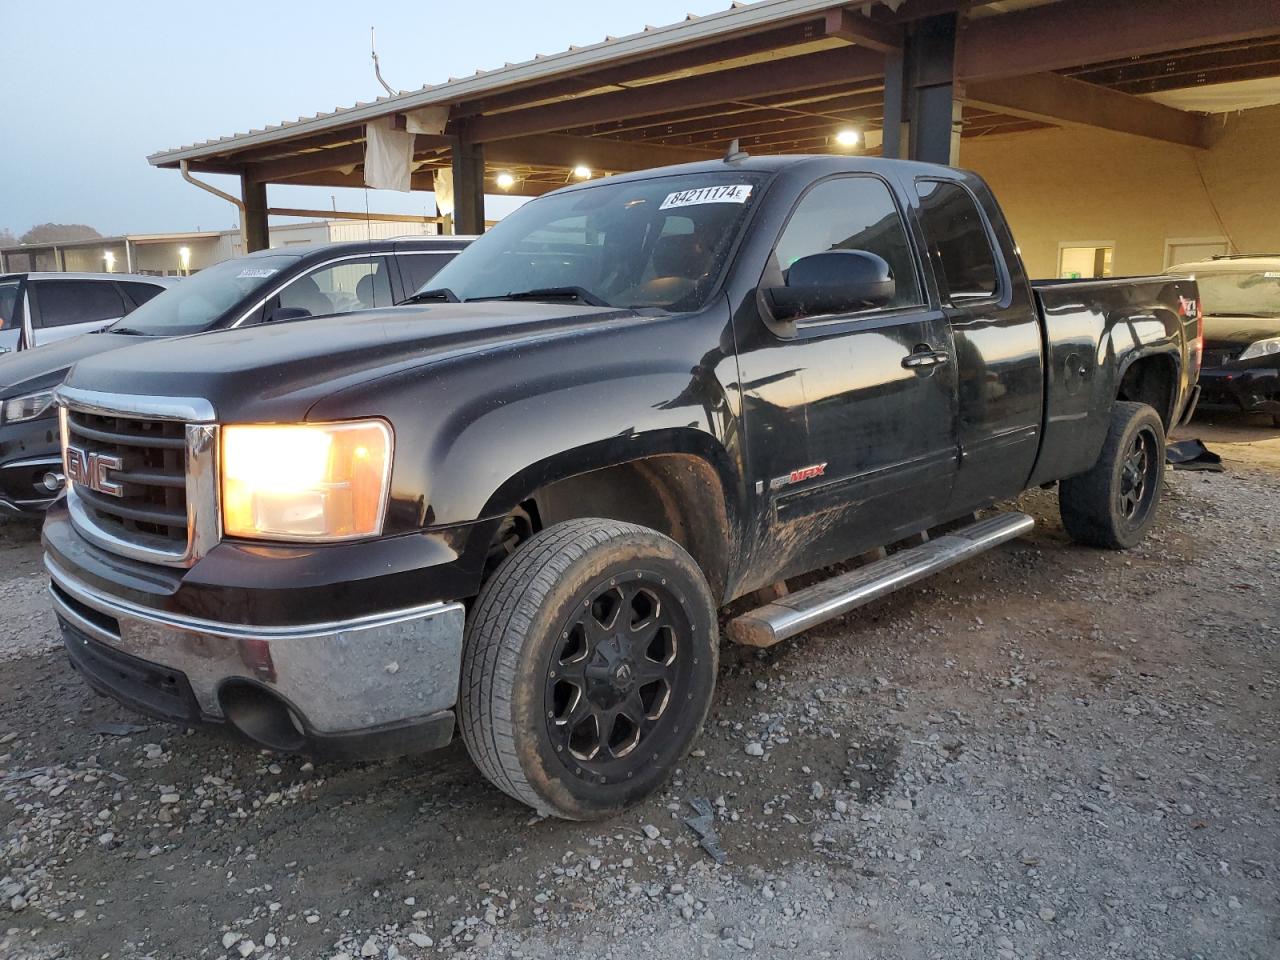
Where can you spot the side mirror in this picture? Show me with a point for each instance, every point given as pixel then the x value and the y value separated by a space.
pixel 835 281
pixel 287 313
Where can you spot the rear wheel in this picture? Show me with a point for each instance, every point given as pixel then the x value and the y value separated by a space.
pixel 588 668
pixel 1114 504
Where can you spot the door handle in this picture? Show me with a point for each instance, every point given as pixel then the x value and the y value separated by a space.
pixel 925 358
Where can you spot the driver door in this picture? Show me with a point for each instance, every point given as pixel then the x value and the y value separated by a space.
pixel 851 438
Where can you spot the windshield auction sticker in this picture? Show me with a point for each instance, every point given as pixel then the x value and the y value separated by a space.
pixel 729 193
pixel 255 273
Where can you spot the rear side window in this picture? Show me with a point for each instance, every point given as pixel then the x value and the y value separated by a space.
pixel 418 268
pixel 140 293
pixel 958 242
pixel 851 213
pixel 64 302
pixel 343 287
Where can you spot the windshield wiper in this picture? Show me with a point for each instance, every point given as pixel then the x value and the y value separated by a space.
pixel 439 293
pixel 127 331
pixel 581 294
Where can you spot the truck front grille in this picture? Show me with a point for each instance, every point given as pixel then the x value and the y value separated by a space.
pixel 144 500
pixel 142 474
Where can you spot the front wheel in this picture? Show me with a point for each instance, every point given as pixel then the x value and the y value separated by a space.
pixel 1114 504
pixel 588 667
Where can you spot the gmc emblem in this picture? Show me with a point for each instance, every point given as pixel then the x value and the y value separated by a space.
pixel 90 469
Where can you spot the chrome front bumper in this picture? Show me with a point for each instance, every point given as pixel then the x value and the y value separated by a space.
pixel 339 679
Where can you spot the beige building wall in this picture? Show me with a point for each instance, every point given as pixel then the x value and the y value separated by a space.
pixel 1085 186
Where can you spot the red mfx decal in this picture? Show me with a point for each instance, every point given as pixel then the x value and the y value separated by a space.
pixel 798 475
pixel 808 473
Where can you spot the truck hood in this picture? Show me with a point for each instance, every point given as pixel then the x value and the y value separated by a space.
pixel 1225 332
pixel 277 371
pixel 25 371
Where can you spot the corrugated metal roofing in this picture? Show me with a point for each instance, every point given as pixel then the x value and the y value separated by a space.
pixel 690 31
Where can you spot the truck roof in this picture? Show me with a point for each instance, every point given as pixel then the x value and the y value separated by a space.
pixel 776 164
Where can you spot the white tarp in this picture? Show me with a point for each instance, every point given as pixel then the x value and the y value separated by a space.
pixel 429 120
pixel 388 157
pixel 443 189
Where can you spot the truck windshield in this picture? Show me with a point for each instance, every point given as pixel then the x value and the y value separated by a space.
pixel 1239 294
pixel 198 302
pixel 661 242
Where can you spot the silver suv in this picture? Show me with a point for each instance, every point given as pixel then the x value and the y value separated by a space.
pixel 39 308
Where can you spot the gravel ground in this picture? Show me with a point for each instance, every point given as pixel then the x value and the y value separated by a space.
pixel 1051 752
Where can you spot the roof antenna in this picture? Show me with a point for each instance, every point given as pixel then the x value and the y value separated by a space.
pixel 733 154
pixel 377 70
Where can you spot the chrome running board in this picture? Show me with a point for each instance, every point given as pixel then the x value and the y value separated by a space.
pixel 797 612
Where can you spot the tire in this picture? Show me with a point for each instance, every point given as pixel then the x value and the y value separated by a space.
pixel 588 667
pixel 1115 503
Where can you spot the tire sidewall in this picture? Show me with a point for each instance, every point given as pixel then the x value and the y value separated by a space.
pixel 547 775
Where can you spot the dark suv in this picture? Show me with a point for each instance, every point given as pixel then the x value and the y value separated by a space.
pixel 283 284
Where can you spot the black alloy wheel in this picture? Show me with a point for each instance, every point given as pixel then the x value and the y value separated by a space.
pixel 623 659
pixel 1114 503
pixel 588 667
pixel 1136 489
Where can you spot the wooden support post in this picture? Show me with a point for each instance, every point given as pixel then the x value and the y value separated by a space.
pixel 896 124
pixel 933 107
pixel 468 187
pixel 253 221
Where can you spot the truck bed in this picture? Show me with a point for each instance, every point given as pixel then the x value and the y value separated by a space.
pixel 1090 322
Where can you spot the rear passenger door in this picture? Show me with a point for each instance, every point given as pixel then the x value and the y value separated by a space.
pixel 67 308
pixel 996 331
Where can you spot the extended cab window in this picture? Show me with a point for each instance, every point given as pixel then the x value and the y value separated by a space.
pixel 64 302
pixel 850 213
pixel 958 242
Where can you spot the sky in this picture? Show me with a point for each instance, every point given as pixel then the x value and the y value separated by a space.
pixel 90 89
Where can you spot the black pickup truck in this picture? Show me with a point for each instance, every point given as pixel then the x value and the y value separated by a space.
pixel 518 504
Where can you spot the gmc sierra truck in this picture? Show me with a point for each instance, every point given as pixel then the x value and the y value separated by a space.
pixel 515 505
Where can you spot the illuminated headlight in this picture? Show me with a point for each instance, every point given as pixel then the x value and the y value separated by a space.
pixel 314 481
pixel 33 406
pixel 1261 348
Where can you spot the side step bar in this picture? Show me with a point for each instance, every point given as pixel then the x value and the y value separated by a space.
pixel 797 612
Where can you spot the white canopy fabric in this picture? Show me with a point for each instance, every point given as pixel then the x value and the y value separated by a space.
pixel 388 157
